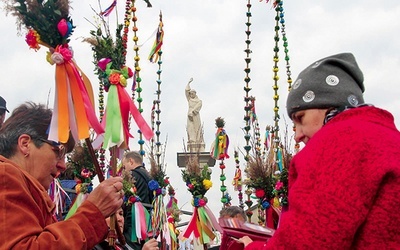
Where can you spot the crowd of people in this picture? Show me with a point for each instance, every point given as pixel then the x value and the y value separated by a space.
pixel 343 184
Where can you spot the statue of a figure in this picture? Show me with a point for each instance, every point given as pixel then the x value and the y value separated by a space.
pixel 194 127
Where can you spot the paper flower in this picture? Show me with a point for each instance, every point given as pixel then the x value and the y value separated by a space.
pixel 153 185
pixel 86 173
pixel 207 184
pixel 66 53
pixel 260 193
pixel 63 27
pixel 278 185
pixel 102 64
pixel 114 78
pixel 33 39
pixel 265 204
pixel 57 58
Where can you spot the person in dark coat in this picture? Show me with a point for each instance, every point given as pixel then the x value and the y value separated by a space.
pixel 133 164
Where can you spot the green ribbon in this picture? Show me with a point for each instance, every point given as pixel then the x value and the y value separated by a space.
pixel 113 118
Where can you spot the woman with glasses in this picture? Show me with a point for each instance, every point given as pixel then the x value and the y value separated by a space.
pixel 29 162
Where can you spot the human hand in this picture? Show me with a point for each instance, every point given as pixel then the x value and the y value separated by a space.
pixel 190 117
pixel 107 196
pixel 245 240
pixel 151 244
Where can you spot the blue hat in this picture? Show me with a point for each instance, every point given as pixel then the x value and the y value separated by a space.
pixel 332 82
pixel 3 104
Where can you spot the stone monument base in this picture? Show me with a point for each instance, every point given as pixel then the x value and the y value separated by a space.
pixel 203 158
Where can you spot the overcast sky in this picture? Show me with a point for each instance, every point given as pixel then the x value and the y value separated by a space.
pixel 205 39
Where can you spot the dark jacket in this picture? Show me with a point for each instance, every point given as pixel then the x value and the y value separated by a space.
pixel 142 178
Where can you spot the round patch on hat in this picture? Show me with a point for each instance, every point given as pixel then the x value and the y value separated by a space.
pixel 309 96
pixel 353 100
pixel 297 84
pixel 332 80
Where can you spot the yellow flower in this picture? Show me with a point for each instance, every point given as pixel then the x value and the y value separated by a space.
pixel 122 81
pixel 48 58
pixel 207 184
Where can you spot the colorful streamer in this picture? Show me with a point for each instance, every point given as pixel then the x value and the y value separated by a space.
pixel 153 56
pixel 119 107
pixel 221 143
pixel 73 104
pixel 202 225
pixel 109 9
pixel 140 222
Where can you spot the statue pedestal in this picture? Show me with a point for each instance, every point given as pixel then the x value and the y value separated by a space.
pixel 193 147
pixel 203 157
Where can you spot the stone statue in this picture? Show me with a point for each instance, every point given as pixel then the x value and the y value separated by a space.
pixel 194 127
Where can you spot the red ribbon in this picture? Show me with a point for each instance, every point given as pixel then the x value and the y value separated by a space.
pixel 192 226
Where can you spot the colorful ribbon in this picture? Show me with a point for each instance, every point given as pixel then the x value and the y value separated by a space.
pixel 109 9
pixel 280 159
pixel 158 216
pixel 153 56
pixel 140 222
pixel 119 106
pixel 221 144
pixel 80 198
pixel 171 207
pixel 202 225
pixel 73 104
pixel 267 141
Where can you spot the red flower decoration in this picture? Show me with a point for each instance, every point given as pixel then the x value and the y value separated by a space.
pixel 132 199
pixel 32 39
pixel 114 78
pixel 278 185
pixel 66 53
pixel 260 193
pixel 85 173
pixel 202 203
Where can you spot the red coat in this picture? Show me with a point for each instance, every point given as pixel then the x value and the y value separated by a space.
pixel 27 220
pixel 344 187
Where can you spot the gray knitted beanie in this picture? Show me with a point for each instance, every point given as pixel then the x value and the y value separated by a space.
pixel 335 81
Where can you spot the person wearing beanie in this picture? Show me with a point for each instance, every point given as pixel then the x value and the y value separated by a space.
pixel 344 184
pixel 3 109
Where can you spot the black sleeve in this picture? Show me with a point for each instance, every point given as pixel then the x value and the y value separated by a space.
pixel 142 188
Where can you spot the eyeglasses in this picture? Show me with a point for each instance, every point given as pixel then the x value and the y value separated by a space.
pixel 57 147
